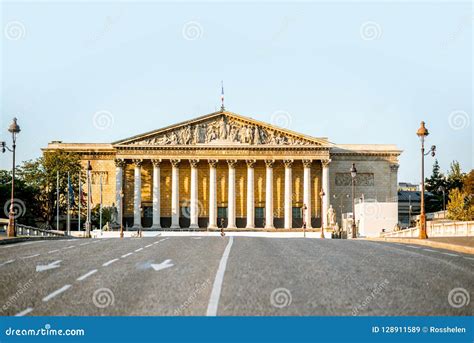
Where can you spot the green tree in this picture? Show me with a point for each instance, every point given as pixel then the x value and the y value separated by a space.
pixel 41 175
pixel 25 204
pixel 455 177
pixel 435 184
pixel 460 206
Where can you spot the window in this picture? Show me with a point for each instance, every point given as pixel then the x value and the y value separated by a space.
pixel 297 212
pixel 222 212
pixel 259 212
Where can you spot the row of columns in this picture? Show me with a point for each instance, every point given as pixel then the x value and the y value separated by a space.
pixel 231 213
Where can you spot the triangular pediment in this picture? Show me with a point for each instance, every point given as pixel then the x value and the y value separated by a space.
pixel 221 129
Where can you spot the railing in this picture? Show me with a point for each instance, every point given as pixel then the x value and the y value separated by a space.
pixel 449 229
pixel 25 230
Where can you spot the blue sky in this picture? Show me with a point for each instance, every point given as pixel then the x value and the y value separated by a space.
pixel 358 72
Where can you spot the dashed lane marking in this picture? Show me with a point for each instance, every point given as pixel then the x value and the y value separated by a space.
pixel 31 256
pixel 126 255
pixel 413 247
pixel 24 312
pixel 6 262
pixel 430 250
pixel 86 275
pixel 53 251
pixel 139 249
pixel 56 292
pixel 110 262
pixel 149 245
pixel 449 254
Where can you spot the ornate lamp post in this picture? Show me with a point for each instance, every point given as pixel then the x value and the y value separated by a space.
pixel 422 133
pixel 121 214
pixel 14 129
pixel 322 194
pixel 353 176
pixel 89 189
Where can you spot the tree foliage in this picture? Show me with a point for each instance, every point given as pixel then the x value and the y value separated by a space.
pixel 460 206
pixel 42 174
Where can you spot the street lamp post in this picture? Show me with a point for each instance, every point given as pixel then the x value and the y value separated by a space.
pixel 422 133
pixel 88 220
pixel 322 194
pixel 353 176
pixel 121 214
pixel 442 189
pixel 14 129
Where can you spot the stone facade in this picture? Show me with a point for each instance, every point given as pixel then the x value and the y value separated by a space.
pixel 232 144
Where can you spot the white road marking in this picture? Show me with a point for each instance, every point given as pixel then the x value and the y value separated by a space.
pixel 56 292
pixel 18 244
pixel 69 247
pixel 217 287
pixel 197 237
pixel 449 254
pixel 50 252
pixel 31 256
pixel 24 312
pixel 469 258
pixel 139 249
pixel 126 255
pixel 149 245
pixel 430 250
pixel 70 240
pixel 86 275
pixel 6 262
pixel 82 244
pixel 110 262
pixel 411 246
pixel 163 265
pixel 52 265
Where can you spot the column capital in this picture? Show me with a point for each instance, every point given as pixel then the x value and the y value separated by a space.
pixel 326 162
pixel 231 163
pixel 288 163
pixel 251 163
pixel 138 162
pixel 175 163
pixel 119 162
pixel 307 163
pixel 394 167
pixel 269 163
pixel 193 163
pixel 156 162
pixel 212 163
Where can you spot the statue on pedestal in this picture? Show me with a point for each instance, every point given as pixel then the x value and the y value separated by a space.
pixel 331 217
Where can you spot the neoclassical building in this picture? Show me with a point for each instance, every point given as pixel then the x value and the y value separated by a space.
pixel 226 169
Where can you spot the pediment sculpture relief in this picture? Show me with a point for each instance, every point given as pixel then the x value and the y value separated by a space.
pixel 224 131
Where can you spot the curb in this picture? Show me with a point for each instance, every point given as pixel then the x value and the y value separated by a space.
pixel 25 239
pixel 439 245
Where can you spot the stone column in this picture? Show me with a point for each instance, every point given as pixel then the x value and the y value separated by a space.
pixel 288 194
pixel 269 194
pixel 212 195
pixel 231 195
pixel 326 190
pixel 307 192
pixel 119 165
pixel 250 194
pixel 156 195
pixel 194 195
pixel 137 195
pixel 175 194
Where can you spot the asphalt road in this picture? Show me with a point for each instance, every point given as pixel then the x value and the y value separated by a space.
pixel 232 276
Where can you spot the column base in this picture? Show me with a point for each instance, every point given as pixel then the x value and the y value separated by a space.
pixel 175 226
pixel 194 226
pixel 231 227
pixel 155 227
pixel 269 227
pixel 250 227
pixel 136 227
pixel 212 227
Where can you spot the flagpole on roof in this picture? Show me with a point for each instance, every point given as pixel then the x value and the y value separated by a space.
pixel 222 96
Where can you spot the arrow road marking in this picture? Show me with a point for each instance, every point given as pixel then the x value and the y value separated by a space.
pixel 163 265
pixel 52 265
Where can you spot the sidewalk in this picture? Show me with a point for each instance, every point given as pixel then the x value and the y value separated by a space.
pixel 458 244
